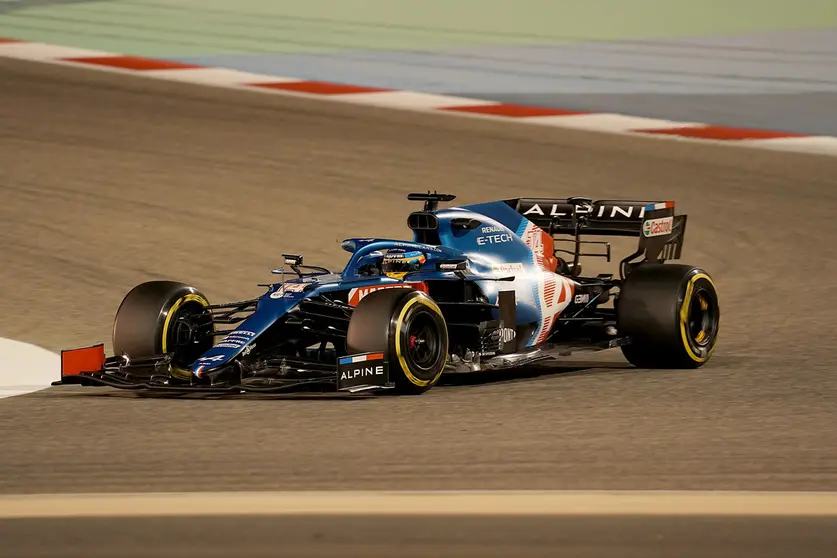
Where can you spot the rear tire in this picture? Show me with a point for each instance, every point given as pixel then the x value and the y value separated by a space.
pixel 160 317
pixel 672 314
pixel 408 327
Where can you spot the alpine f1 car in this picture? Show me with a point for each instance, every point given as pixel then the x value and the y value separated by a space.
pixel 484 286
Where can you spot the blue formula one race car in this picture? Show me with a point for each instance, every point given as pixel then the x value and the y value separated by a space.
pixel 479 287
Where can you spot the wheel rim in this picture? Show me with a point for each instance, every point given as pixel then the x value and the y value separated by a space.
pixel 423 340
pixel 703 318
pixel 184 336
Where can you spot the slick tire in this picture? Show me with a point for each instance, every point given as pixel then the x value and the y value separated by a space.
pixel 408 327
pixel 672 314
pixel 152 320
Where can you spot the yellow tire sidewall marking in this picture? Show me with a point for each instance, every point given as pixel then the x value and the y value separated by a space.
pixel 398 327
pixel 684 316
pixel 177 371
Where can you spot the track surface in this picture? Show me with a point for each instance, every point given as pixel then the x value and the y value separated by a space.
pixel 108 181
pixel 465 537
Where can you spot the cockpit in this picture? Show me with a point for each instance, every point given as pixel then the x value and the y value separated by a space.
pixel 395 263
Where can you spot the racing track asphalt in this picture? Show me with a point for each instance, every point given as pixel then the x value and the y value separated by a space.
pixel 109 180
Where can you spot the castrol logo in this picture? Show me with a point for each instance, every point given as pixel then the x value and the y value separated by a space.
pixel 657 227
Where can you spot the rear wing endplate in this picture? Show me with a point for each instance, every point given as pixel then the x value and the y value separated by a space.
pixel 662 232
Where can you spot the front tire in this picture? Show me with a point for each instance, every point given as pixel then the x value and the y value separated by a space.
pixel 672 315
pixel 160 317
pixel 408 327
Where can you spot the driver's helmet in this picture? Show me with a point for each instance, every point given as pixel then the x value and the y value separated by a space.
pixel 397 263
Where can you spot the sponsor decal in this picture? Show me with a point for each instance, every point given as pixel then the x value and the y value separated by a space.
pixel 243 332
pixel 506 334
pixel 453 266
pixel 541 244
pixel 553 212
pixel 582 298
pixel 288 288
pixel 418 246
pixel 657 227
pixel 494 239
pixel 209 360
pixel 603 211
pixel 236 339
pixel 361 371
pixel 357 294
pixel 507 268
pixel 503 334
pixel 492 229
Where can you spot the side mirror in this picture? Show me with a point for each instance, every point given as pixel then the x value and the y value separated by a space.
pixel 457 265
pixel 293 260
pixel 452 265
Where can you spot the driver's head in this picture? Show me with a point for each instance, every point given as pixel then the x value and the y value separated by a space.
pixel 397 263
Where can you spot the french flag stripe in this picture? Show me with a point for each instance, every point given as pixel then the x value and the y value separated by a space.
pixel 361 358
pixel 662 205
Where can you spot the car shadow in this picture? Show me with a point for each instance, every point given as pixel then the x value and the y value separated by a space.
pixel 530 373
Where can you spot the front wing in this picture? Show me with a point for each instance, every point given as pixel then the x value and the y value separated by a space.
pixel 89 366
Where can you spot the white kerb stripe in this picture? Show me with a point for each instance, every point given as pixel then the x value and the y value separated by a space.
pixel 814 144
pixel 605 122
pixel 216 76
pixel 47 53
pixel 412 100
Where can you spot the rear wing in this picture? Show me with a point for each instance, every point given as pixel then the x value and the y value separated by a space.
pixel 599 217
pixel 660 231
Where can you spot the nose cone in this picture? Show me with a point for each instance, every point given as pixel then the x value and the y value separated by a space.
pixel 271 308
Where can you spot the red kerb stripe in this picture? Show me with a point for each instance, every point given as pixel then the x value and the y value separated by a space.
pixel 513 111
pixel 722 133
pixel 319 87
pixel 133 63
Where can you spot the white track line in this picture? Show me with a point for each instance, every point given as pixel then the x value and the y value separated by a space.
pixel 25 368
pixel 575 503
